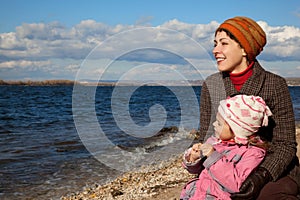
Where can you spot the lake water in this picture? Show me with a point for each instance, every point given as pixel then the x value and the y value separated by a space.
pixel 51 144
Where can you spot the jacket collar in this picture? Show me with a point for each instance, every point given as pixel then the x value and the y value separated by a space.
pixel 251 87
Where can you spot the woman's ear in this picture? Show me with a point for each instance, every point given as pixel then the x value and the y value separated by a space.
pixel 244 52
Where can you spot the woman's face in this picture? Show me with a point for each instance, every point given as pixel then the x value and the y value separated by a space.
pixel 229 54
pixel 222 129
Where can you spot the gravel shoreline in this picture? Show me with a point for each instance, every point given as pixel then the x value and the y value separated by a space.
pixel 147 183
pixel 163 181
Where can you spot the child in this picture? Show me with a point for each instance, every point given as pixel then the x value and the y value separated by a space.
pixel 226 159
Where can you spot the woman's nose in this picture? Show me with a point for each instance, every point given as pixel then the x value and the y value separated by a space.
pixel 216 49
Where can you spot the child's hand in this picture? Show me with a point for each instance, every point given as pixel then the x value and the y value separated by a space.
pixel 207 149
pixel 195 152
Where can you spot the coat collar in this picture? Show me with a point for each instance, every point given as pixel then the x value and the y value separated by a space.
pixel 251 87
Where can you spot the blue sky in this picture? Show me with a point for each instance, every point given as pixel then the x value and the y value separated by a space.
pixel 56 39
pixel 70 12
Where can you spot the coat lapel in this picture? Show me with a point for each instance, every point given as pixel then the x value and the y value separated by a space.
pixel 254 84
pixel 251 87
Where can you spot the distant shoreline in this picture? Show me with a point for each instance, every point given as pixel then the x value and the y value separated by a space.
pixel 290 82
pixel 37 83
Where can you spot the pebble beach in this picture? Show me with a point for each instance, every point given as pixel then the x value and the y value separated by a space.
pixel 162 181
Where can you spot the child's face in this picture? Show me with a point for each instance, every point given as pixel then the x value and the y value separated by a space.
pixel 222 129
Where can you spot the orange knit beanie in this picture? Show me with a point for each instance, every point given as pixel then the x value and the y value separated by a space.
pixel 249 34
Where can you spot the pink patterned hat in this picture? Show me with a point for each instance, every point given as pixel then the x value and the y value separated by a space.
pixel 244 114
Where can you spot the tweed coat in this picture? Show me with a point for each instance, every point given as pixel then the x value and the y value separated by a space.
pixel 281 132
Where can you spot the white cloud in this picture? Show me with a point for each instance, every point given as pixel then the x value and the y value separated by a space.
pixel 24 64
pixel 203 33
pixel 34 45
pixel 282 42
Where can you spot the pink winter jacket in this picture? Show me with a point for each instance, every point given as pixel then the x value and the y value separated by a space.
pixel 226 169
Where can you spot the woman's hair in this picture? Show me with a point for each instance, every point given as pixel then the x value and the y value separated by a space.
pixel 229 35
pixel 255 140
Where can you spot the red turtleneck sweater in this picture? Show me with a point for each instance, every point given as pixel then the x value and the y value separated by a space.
pixel 239 79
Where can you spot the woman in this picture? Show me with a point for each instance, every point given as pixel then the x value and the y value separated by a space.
pixel 237 43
